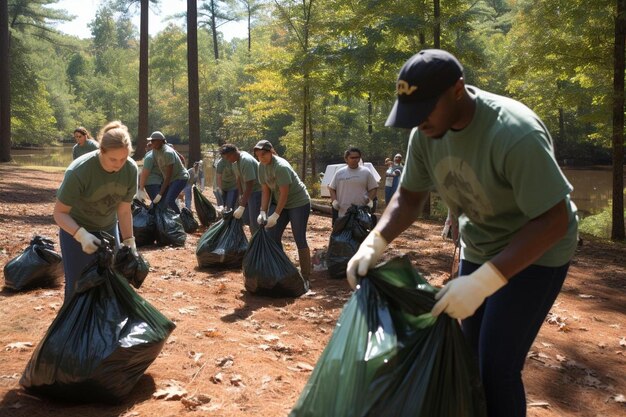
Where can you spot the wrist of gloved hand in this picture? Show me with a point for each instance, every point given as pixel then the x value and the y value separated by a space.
pixel 130 242
pixel 461 297
pixel 262 217
pixel 239 212
pixel 157 199
pixel 366 257
pixel 370 203
pixel 335 204
pixel 271 220
pixel 87 241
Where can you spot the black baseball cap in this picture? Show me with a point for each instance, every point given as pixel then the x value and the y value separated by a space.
pixel 264 145
pixel 422 80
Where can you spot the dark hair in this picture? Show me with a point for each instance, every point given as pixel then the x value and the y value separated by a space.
pixel 350 150
pixel 82 131
pixel 227 148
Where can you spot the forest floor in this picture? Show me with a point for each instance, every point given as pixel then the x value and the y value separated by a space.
pixel 237 354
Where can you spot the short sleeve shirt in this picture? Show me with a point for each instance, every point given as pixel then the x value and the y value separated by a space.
pixel 89 146
pixel 279 173
pixel 167 156
pixel 94 194
pixel 495 175
pixel 247 169
pixel 352 186
pixel 225 169
pixel 156 176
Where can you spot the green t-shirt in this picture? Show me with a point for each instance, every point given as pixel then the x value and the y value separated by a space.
pixel 279 172
pixel 88 146
pixel 495 175
pixel 156 176
pixel 246 169
pixel 168 156
pixel 225 169
pixel 94 194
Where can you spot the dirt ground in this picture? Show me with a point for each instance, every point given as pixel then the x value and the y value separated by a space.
pixel 237 354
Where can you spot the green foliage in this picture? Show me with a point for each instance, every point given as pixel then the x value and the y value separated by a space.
pixel 599 224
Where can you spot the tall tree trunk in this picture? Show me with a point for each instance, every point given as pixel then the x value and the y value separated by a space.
pixel 214 31
pixel 192 76
pixel 142 120
pixel 305 99
pixel 617 229
pixel 5 84
pixel 311 144
pixel 249 31
pixel 437 24
pixel 370 128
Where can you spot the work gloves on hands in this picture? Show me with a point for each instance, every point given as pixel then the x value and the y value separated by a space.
pixel 239 212
pixel 271 221
pixel 370 204
pixel 130 242
pixel 366 257
pixel 157 199
pixel 142 195
pixel 462 296
pixel 262 218
pixel 89 242
pixel 335 205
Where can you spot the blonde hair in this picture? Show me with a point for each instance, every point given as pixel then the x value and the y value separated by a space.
pixel 114 135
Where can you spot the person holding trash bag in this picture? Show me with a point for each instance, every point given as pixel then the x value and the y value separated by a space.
pixel 246 169
pixel 352 184
pixel 84 142
pixel 175 175
pixel 492 161
pixel 226 183
pixel 96 195
pixel 150 178
pixel 290 201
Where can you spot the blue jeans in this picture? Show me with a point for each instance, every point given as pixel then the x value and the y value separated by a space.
pixel 152 190
pixel 188 196
pixel 503 329
pixel 298 217
pixel 75 260
pixel 252 211
pixel 172 192
pixel 230 198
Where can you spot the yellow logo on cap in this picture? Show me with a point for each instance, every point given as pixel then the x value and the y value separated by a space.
pixel 404 88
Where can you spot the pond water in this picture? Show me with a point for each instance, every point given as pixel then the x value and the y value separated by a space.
pixel 592 186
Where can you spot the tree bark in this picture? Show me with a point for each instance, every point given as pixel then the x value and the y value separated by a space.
pixel 192 76
pixel 142 119
pixel 5 84
pixel 617 229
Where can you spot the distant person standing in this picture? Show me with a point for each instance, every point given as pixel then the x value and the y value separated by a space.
pixel 175 175
pixel 246 169
pixel 95 196
pixel 392 177
pixel 227 183
pixel 217 192
pixel 84 142
pixel 195 178
pixel 285 196
pixel 352 184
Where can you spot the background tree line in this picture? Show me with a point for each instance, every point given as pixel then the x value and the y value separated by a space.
pixel 312 76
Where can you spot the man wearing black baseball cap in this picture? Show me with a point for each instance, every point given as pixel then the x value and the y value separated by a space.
pixel 491 159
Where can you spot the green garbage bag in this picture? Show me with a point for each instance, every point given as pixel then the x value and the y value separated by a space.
pixel 389 357
pixel 101 342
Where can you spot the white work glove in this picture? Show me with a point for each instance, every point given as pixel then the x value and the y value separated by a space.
pixel 130 242
pixel 239 212
pixel 88 241
pixel 370 203
pixel 262 219
pixel 335 205
pixel 142 195
pixel 271 221
pixel 220 209
pixel 157 199
pixel 462 296
pixel 366 257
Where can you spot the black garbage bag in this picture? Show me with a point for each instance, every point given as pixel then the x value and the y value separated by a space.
pixel 37 266
pixel 348 233
pixel 392 357
pixel 134 268
pixel 204 209
pixel 169 228
pixel 190 224
pixel 267 269
pixel 101 342
pixel 223 244
pixel 144 224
